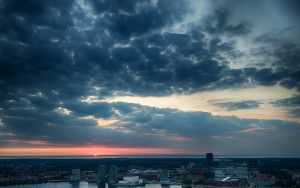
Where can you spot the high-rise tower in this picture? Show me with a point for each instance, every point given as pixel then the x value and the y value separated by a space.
pixel 112 174
pixel 102 174
pixel 209 159
pixel 75 176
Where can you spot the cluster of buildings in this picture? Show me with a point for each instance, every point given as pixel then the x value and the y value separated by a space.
pixel 129 173
pixel 104 176
pixel 235 175
pixel 11 174
pixel 223 174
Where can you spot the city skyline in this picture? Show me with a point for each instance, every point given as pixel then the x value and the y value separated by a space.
pixel 151 77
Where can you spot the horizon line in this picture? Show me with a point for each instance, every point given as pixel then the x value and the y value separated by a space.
pixel 149 155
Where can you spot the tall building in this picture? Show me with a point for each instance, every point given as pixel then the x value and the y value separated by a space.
pixel 102 174
pixel 209 159
pixel 190 166
pixel 112 174
pixel 164 178
pixel 75 176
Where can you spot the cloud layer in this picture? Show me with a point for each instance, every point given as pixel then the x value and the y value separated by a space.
pixel 55 54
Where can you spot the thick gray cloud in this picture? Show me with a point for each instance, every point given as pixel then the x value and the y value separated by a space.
pixel 37 54
pixel 238 105
pixel 292 105
pixel 132 18
pixel 221 25
pixel 143 126
pixel 290 102
pixel 55 53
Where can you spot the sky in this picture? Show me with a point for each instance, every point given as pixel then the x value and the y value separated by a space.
pixel 130 77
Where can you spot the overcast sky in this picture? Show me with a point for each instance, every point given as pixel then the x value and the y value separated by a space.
pixel 122 77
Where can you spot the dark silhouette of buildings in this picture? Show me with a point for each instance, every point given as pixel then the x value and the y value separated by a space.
pixel 102 174
pixel 112 174
pixel 209 159
pixel 75 176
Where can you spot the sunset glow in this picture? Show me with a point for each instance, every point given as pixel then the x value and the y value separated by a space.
pixel 98 151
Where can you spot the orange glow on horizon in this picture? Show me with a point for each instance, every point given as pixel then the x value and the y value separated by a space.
pixel 65 151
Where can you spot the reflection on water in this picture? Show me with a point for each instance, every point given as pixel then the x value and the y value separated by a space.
pixel 77 185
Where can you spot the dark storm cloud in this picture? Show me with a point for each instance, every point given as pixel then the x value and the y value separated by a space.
pixel 291 105
pixel 219 23
pixel 289 102
pixel 187 124
pixel 69 61
pixel 286 55
pixel 74 128
pixel 18 17
pixel 132 18
pixel 295 112
pixel 265 76
pixel 240 105
pixel 55 53
pixel 137 126
pixel 103 110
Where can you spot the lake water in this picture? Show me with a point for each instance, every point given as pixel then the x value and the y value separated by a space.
pixel 80 185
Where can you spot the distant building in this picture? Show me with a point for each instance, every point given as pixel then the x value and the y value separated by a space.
pixel 89 176
pixel 112 174
pixel 209 159
pixel 150 175
pixel 164 178
pixel 264 180
pixel 241 172
pixel 296 177
pixel 182 167
pixel 131 181
pixel 223 163
pixel 190 166
pixel 231 173
pixel 75 176
pixel 102 174
pixel 198 171
pixel 219 174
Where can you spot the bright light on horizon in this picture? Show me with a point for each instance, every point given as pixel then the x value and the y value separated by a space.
pixel 90 151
